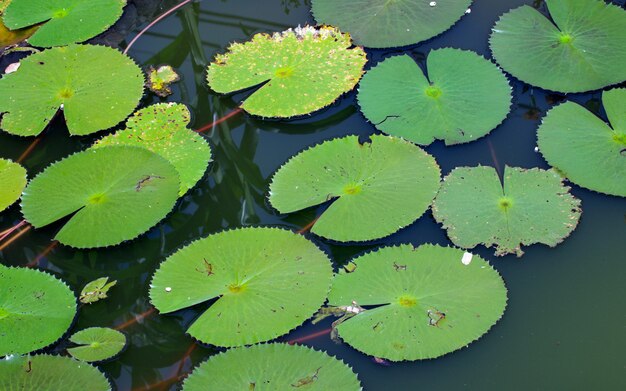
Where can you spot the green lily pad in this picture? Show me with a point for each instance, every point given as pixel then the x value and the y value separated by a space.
pixel 98 344
pixel 112 194
pixel 533 207
pixel 428 300
pixel 273 366
pixel 376 188
pixel 162 129
pixel 384 23
pixel 12 182
pixel 582 50
pixel 586 149
pixel 267 281
pixel 96 86
pixel 301 70
pixel 50 373
pixel 159 80
pixel 36 309
pixel 96 290
pixel 462 99
pixel 64 21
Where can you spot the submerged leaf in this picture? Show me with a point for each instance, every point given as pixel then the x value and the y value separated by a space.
pixel 12 182
pixel 98 344
pixel 159 80
pixel 96 290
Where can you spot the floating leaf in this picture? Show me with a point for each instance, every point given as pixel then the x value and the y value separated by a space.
pixel 463 98
pixel 96 86
pixel 98 344
pixel 35 310
pixel 533 207
pixel 377 187
pixel 50 373
pixel 426 301
pixel 274 366
pixel 300 70
pixel 162 129
pixel 582 50
pixel 268 281
pixel 64 21
pixel 384 23
pixel 159 80
pixel 96 290
pixel 12 182
pixel 112 194
pixel 584 148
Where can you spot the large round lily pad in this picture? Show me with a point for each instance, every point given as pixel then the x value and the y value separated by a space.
pixel 385 23
pixel 97 344
pixel 426 301
pixel 533 207
pixel 64 21
pixel 110 195
pixel 300 70
pixel 12 182
pixel 376 188
pixel 463 97
pixel 96 86
pixel 272 367
pixel 162 129
pixel 267 281
pixel 36 309
pixel 584 148
pixel 582 50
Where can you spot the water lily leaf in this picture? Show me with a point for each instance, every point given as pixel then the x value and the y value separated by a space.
pixel 12 182
pixel 98 344
pixel 463 97
pixel 584 148
pixel 582 50
pixel 426 301
pixel 384 23
pixel 159 80
pixel 301 70
pixel 533 207
pixel 96 86
pixel 376 188
pixel 112 194
pixel 96 290
pixel 267 281
pixel 162 129
pixel 50 373
pixel 64 21
pixel 273 366
pixel 36 309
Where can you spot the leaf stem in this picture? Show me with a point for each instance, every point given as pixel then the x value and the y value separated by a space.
pixel 220 120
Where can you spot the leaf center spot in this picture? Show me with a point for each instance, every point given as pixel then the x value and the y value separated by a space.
pixel 60 13
pixel 66 93
pixel 407 301
pixel 236 288
pixel 505 203
pixel 95 345
pixel 352 189
pixel 620 138
pixel 97 199
pixel 433 91
pixel 4 313
pixel 565 38
pixel 284 72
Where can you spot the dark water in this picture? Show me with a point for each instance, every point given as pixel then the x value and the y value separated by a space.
pixel 565 325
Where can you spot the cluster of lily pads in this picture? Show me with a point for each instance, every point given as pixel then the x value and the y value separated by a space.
pixel 396 302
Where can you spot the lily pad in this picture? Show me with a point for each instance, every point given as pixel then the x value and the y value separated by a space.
pixel 425 302
pixel 272 367
pixel 50 373
pixel 300 70
pixel 584 148
pixel 384 23
pixel 533 207
pixel 64 21
pixel 96 290
pixel 110 195
pixel 12 182
pixel 96 86
pixel 462 99
pixel 376 188
pixel 582 50
pixel 159 80
pixel 162 129
pixel 36 309
pixel 267 281
pixel 98 344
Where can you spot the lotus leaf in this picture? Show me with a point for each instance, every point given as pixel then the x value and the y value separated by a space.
pixel 96 290
pixel 12 182
pixel 159 80
pixel 98 344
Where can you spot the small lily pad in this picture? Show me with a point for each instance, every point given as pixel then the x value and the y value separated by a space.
pixel 300 70
pixel 110 195
pixel 376 188
pixel 36 309
pixel 12 182
pixel 462 99
pixel 420 303
pixel 159 80
pixel 582 50
pixel 64 21
pixel 98 344
pixel 273 366
pixel 267 281
pixel 96 86
pixel 96 290
pixel 533 207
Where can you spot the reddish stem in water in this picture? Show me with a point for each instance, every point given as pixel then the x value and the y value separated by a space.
pixel 307 227
pixel 220 120
pixel 28 150
pixel 43 254
pixel 309 337
pixel 14 238
pixel 9 231
pixel 134 320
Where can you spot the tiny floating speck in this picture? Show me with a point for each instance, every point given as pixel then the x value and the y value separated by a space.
pixel 467 258
pixel 168 289
pixel 433 3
